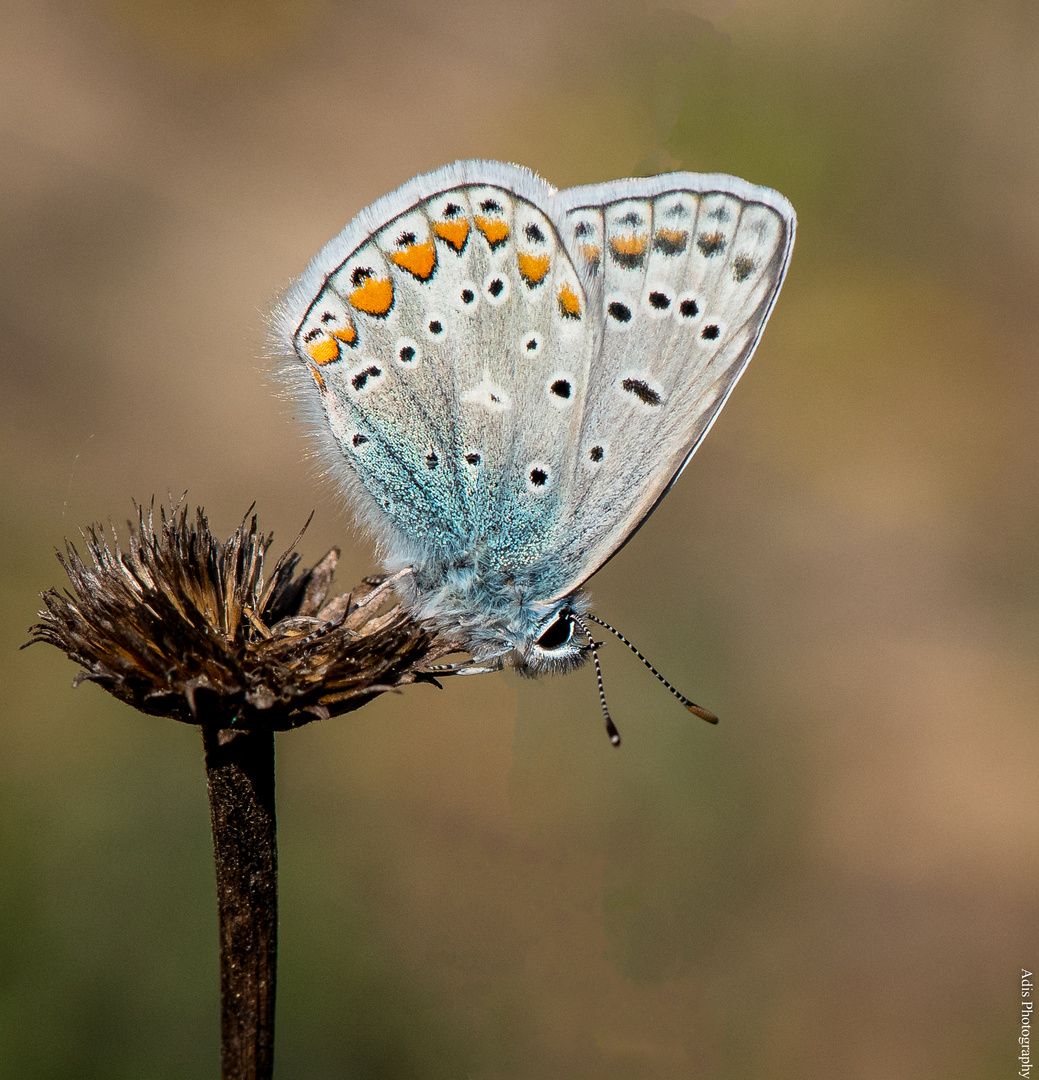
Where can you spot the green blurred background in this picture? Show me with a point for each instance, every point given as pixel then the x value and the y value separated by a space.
pixel 840 879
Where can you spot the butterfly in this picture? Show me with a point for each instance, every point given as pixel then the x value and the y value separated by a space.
pixel 507 379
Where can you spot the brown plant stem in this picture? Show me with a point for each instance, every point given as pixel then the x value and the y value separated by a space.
pixel 178 624
pixel 240 776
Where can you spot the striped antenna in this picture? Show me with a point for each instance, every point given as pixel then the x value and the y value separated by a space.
pixel 611 727
pixel 695 709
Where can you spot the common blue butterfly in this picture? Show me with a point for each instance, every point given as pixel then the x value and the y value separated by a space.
pixel 508 378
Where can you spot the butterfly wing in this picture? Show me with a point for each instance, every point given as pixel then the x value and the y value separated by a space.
pixel 446 354
pixel 681 272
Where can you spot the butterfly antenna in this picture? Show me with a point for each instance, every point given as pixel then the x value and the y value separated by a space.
pixel 695 709
pixel 611 727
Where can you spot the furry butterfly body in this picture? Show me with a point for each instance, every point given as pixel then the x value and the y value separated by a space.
pixel 508 378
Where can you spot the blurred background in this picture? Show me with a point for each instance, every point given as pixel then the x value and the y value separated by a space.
pixel 838 880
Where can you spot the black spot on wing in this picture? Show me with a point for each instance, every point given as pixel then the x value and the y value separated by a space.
pixel 710 243
pixel 642 390
pixel 742 267
pixel 627 254
pixel 670 241
pixel 361 378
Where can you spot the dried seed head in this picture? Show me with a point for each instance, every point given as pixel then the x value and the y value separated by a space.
pixel 184 626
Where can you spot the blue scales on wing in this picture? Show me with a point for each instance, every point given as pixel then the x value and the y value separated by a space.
pixel 449 343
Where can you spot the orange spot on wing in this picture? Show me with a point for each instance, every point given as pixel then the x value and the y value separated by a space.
pixel 374 296
pixel 628 245
pixel 496 230
pixel 569 303
pixel 590 252
pixel 417 259
pixel 347 334
pixel 454 233
pixel 322 350
pixel 533 268
pixel 318 378
pixel 671 241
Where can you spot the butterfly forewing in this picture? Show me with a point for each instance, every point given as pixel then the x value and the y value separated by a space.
pixel 687 276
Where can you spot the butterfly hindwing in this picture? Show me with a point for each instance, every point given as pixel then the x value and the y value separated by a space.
pixel 541 359
pixel 450 348
pixel 379 379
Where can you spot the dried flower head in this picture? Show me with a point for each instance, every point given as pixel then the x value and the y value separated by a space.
pixel 184 626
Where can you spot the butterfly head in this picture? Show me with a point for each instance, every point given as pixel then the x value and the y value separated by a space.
pixel 555 646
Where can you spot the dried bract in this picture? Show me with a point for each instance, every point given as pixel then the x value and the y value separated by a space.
pixel 184 626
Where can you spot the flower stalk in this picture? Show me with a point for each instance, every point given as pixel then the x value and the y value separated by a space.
pixel 184 626
pixel 240 779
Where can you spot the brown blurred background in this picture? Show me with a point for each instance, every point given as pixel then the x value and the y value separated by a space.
pixel 841 878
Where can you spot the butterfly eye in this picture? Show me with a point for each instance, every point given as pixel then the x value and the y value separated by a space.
pixel 559 633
